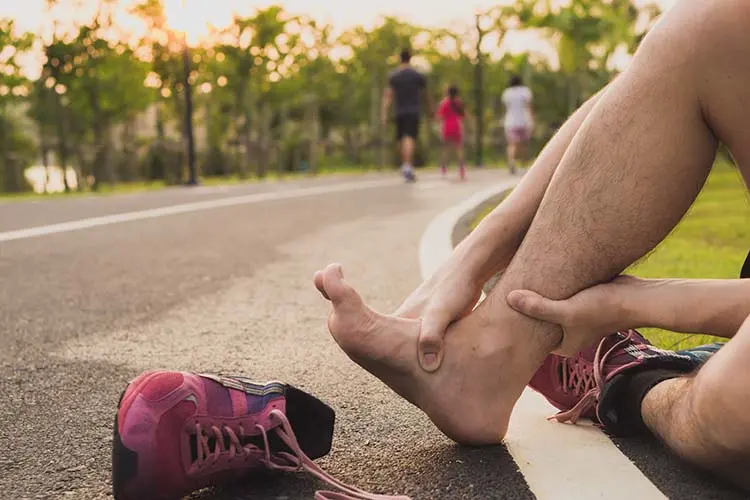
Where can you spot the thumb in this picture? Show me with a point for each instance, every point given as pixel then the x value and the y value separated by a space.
pixel 534 305
pixel 431 333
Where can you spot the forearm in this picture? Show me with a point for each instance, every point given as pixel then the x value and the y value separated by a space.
pixel 716 307
pixel 491 246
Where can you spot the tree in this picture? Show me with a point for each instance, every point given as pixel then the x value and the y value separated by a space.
pixel 253 49
pixel 15 148
pixel 274 89
pixel 582 29
pixel 165 55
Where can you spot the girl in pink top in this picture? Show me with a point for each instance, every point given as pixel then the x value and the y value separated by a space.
pixel 451 113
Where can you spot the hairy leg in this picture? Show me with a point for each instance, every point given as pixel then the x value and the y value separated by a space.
pixel 637 163
pixel 631 172
pixel 705 418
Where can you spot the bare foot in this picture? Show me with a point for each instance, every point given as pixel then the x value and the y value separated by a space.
pixel 383 345
pixel 472 394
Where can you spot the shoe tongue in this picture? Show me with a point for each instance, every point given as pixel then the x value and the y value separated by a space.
pixel 635 349
pixel 617 357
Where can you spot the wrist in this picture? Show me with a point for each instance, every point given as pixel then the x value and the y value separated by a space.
pixel 630 306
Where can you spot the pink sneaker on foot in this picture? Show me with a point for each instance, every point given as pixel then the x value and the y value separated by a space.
pixel 575 385
pixel 176 432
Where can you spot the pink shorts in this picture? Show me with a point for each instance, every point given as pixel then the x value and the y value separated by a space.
pixel 514 135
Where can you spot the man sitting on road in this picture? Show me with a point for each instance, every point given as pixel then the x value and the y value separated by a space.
pixel 406 87
pixel 612 183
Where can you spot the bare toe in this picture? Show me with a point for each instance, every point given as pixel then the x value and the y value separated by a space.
pixel 318 281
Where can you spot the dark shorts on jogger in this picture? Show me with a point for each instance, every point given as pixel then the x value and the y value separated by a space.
pixel 407 125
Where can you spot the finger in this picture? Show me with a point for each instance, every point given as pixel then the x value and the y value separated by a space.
pixel 534 305
pixel 431 333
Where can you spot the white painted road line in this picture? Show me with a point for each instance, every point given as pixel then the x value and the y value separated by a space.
pixel 557 460
pixel 436 244
pixel 151 213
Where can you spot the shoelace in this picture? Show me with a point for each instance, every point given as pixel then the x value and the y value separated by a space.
pixel 586 378
pixel 282 461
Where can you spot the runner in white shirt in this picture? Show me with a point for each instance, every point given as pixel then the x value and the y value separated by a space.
pixel 518 118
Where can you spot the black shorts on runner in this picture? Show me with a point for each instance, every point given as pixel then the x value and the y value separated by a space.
pixel 407 126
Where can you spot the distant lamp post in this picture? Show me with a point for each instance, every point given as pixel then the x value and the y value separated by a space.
pixel 179 18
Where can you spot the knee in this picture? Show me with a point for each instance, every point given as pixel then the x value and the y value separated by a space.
pixel 697 34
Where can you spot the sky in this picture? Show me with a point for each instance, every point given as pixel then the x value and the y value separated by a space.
pixel 197 15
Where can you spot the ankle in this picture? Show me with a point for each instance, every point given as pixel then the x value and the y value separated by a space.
pixel 538 336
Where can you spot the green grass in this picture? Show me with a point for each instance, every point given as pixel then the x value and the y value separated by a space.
pixel 712 241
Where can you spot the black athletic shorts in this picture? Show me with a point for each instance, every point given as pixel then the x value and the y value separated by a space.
pixel 745 273
pixel 407 126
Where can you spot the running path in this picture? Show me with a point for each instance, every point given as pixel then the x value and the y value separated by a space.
pixel 226 288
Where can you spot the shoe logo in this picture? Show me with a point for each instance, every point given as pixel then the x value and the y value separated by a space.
pixel 192 398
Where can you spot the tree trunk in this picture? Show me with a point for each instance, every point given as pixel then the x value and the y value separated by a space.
pixel 244 107
pixel 62 143
pixel 7 165
pixel 82 170
pixel 282 138
pixel 12 175
pixel 189 133
pixel 264 124
pixel 313 130
pixel 377 131
pixel 99 168
pixel 44 145
pixel 128 154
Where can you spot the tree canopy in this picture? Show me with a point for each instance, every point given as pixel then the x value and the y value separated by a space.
pixel 277 91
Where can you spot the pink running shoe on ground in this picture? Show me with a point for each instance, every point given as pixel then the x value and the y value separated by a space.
pixel 176 432
pixel 575 385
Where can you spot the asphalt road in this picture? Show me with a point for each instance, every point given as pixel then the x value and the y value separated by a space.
pixel 228 289
pixel 223 289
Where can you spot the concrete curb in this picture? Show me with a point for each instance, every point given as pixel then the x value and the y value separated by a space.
pixel 557 460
